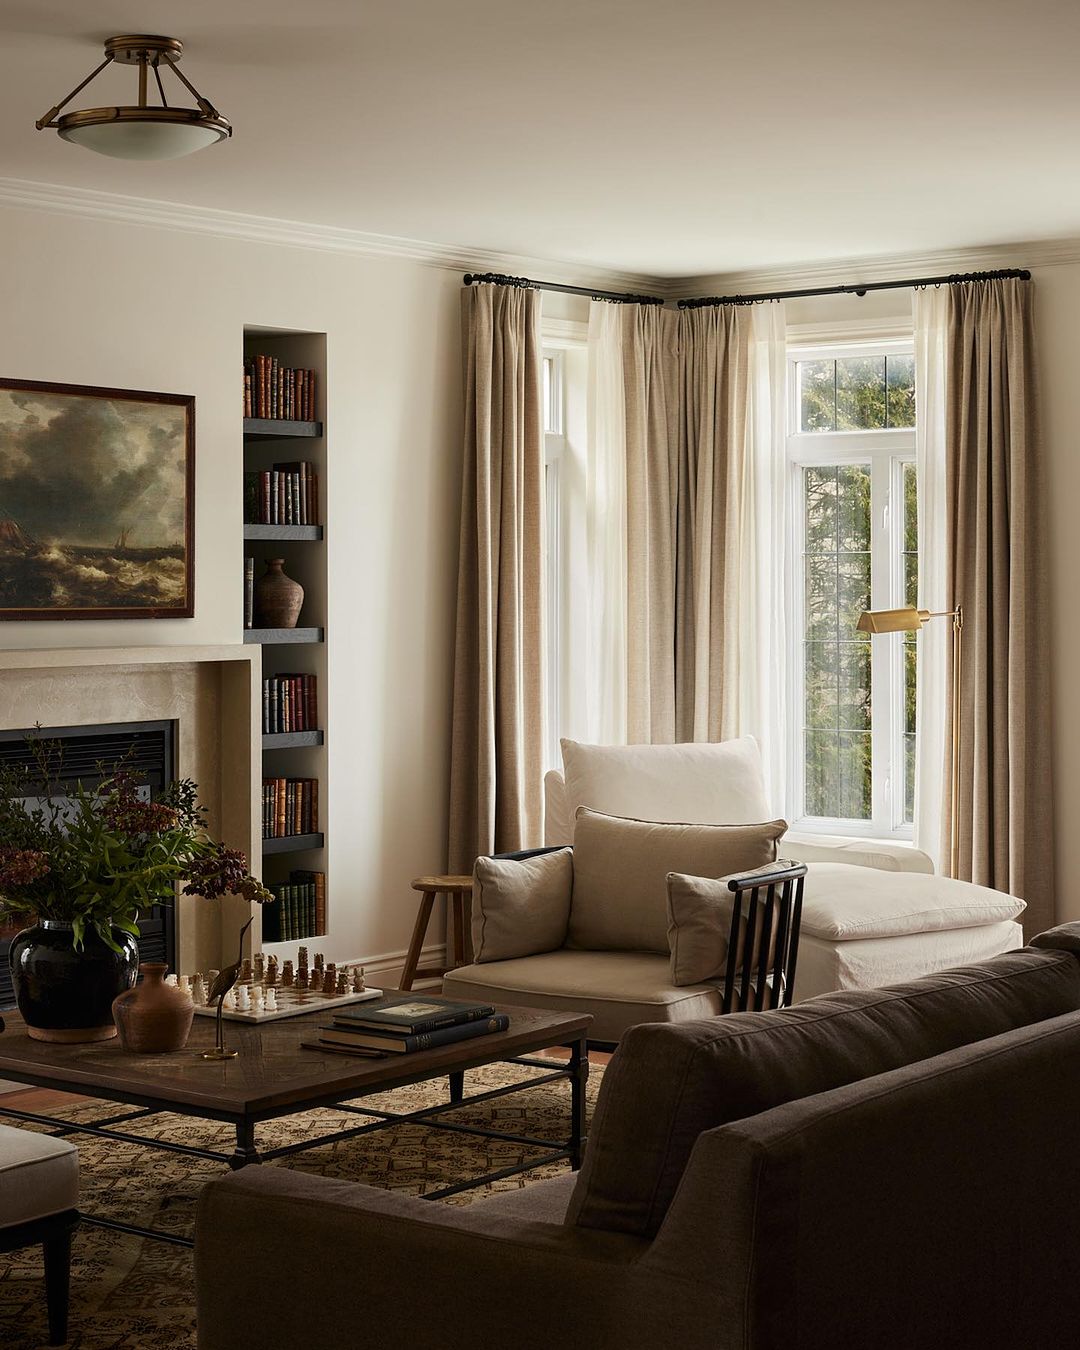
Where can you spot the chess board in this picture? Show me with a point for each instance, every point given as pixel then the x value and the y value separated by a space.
pixel 291 1003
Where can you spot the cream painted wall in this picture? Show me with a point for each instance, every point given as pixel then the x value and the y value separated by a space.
pixel 1057 310
pixel 99 303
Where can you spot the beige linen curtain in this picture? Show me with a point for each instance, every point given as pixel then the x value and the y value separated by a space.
pixel 998 573
pixel 496 751
pixel 650 373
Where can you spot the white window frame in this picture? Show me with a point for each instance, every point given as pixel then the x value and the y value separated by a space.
pixel 885 451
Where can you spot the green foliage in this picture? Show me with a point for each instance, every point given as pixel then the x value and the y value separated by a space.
pixel 98 857
pixel 857 393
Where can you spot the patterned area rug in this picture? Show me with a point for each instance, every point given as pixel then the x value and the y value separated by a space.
pixel 128 1293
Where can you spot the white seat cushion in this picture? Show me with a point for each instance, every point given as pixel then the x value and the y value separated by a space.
pixel 39 1175
pixel 843 902
pixel 824 967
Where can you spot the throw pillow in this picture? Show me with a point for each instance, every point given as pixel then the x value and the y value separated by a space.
pixel 842 902
pixel 520 907
pixel 621 868
pixel 700 911
pixel 708 784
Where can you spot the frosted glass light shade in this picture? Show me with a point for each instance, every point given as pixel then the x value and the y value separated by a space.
pixel 135 138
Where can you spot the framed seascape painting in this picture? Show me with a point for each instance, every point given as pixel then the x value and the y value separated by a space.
pixel 96 503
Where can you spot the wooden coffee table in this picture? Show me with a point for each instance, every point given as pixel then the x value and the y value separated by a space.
pixel 274 1075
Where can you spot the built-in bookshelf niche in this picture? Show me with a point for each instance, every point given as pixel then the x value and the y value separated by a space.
pixel 286 482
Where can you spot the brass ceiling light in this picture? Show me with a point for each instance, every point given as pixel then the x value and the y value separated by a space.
pixel 141 131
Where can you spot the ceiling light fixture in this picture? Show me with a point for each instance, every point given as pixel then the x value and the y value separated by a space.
pixel 142 131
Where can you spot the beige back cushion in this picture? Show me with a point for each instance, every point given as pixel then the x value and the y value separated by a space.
pixel 708 784
pixel 520 907
pixel 621 868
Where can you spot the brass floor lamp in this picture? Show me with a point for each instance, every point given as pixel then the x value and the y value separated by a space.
pixel 911 620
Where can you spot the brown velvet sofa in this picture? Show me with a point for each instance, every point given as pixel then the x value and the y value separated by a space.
pixel 894 1168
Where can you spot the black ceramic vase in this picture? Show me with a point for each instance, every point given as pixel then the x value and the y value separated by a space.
pixel 64 994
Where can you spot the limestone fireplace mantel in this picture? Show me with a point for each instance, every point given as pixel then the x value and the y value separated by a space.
pixel 213 694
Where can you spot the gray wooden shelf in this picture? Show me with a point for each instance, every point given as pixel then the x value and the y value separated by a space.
pixel 311 532
pixel 293 843
pixel 289 740
pixel 279 428
pixel 269 636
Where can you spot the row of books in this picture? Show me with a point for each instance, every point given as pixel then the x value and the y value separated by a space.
pixel 401 1024
pixel 298 909
pixel 289 806
pixel 287 494
pixel 290 703
pixel 272 390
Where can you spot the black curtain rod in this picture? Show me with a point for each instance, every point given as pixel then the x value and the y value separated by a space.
pixel 857 288
pixel 618 297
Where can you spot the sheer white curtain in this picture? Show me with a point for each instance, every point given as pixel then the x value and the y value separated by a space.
pixel 763 555
pixel 930 312
pixel 605 530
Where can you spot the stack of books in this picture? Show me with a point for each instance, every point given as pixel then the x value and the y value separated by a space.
pixel 290 703
pixel 401 1024
pixel 276 391
pixel 298 909
pixel 290 806
pixel 287 494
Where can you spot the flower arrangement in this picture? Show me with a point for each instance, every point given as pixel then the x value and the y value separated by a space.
pixel 97 857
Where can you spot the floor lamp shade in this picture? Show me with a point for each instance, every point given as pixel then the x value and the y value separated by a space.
pixel 910 620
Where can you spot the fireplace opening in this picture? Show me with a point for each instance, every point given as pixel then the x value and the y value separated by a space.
pixel 89 754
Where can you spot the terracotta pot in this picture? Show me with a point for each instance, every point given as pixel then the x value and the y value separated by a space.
pixel 153 1018
pixel 66 994
pixel 277 597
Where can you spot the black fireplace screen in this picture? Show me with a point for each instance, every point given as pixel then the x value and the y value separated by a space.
pixel 89 754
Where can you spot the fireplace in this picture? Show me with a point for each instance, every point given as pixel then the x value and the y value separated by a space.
pixel 88 754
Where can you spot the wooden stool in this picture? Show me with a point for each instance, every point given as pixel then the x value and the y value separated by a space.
pixel 456 889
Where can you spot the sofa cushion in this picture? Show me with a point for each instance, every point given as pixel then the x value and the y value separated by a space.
pixel 619 989
pixel 842 902
pixel 621 867
pixel 700 911
pixel 666 1085
pixel 521 906
pixel 39 1175
pixel 708 784
pixel 827 967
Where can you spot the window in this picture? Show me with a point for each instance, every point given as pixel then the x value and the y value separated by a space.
pixel 851 448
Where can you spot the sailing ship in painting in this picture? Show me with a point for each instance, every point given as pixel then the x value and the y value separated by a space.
pixel 93 497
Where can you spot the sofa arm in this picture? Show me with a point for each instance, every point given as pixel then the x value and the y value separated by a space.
pixel 882 854
pixel 279 1254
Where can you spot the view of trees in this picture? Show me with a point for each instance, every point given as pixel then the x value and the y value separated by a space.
pixel 848 394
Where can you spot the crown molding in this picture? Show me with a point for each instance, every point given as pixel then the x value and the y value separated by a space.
pixel 89 204
pixel 886 267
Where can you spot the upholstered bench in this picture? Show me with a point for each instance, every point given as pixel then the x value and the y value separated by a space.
pixel 39 1191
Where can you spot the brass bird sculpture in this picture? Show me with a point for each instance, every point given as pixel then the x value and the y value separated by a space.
pixel 222 983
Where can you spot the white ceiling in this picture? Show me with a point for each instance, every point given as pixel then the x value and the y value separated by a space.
pixel 665 137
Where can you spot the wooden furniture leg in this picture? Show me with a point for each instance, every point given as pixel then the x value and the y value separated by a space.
pixel 416 946
pixel 456 889
pixel 57 1253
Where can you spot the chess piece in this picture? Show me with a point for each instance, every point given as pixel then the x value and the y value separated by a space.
pixel 329 983
pixel 343 982
pixel 245 970
pixel 198 990
pixel 320 961
pixel 172 981
pixel 302 978
pixel 271 1003
pixel 271 972
pixel 243 998
pixel 257 999
pixel 362 983
pixel 302 959
pixel 228 999
pixel 259 968
pixel 287 978
pixel 358 980
pixel 185 983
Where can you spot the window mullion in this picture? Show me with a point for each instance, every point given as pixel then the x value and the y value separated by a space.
pixel 882 649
